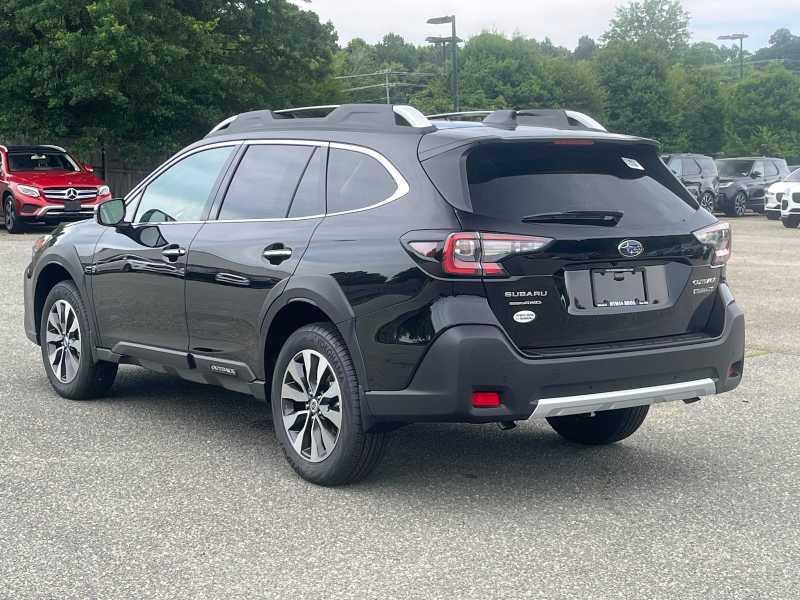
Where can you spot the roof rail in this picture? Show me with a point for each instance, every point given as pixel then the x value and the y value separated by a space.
pixel 542 117
pixel 464 113
pixel 333 116
pixel 559 119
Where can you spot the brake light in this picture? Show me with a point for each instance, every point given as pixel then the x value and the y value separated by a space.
pixel 572 142
pixel 475 254
pixel 718 236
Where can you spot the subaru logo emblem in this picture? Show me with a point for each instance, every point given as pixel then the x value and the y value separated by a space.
pixel 630 248
pixel 72 194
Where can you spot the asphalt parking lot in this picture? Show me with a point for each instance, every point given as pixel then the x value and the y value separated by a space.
pixel 175 490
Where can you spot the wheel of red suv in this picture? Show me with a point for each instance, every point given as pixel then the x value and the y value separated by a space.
pixel 12 220
pixel 738 206
pixel 707 201
pixel 791 222
pixel 604 427
pixel 65 340
pixel 316 409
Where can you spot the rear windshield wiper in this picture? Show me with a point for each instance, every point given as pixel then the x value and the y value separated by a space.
pixel 603 218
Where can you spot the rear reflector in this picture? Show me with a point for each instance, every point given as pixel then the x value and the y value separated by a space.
pixel 485 399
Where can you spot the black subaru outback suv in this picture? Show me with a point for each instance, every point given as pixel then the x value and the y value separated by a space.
pixel 369 267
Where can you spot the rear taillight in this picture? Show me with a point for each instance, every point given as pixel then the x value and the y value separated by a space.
pixel 471 254
pixel 718 236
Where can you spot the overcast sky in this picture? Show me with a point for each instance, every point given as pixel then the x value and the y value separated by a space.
pixel 563 21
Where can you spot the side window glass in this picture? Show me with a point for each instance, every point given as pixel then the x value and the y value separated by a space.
pixel 356 180
pixel 675 166
pixel 771 169
pixel 265 182
pixel 309 199
pixel 183 191
pixel 690 167
pixel 758 167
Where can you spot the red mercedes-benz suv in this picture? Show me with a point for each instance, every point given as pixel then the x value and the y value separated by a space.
pixel 45 184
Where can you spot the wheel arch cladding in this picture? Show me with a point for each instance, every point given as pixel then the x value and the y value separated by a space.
pixel 50 275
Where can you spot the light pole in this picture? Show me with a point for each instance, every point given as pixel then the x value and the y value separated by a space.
pixel 741 37
pixel 453 39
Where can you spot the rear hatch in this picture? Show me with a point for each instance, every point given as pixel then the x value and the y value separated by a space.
pixel 623 265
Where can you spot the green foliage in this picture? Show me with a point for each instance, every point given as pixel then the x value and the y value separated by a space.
pixel 638 90
pixel 763 113
pixel 151 75
pixel 698 122
pixel 662 25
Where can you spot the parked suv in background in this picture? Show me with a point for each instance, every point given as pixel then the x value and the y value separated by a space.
pixel 699 174
pixel 371 268
pixel 45 184
pixel 775 193
pixel 743 182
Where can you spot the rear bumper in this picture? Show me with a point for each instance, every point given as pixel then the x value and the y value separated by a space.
pixel 470 358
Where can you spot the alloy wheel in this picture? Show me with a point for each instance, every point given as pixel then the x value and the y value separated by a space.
pixel 707 201
pixel 740 204
pixel 311 405
pixel 63 339
pixel 9 214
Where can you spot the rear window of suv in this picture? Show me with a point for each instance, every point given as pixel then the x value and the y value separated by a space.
pixel 511 181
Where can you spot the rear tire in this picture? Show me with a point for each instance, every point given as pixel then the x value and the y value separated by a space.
pixel 316 409
pixel 605 427
pixel 738 206
pixel 707 202
pixel 65 337
pixel 12 221
pixel 791 222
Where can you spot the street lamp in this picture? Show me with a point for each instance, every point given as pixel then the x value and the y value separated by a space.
pixel 453 39
pixel 741 37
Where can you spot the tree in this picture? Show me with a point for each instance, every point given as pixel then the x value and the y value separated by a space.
pixel 586 48
pixel 763 113
pixel 698 122
pixel 148 76
pixel 662 25
pixel 639 98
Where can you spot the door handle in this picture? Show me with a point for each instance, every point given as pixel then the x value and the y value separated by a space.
pixel 173 252
pixel 277 255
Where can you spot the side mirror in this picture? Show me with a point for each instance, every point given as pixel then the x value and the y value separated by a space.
pixel 88 167
pixel 111 212
pixel 755 174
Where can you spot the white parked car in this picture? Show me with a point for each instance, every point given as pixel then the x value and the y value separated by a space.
pixel 790 206
pixel 775 192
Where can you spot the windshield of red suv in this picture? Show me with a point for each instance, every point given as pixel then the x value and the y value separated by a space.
pixel 734 168
pixel 40 161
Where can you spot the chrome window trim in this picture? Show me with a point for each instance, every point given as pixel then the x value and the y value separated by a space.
pixel 401 190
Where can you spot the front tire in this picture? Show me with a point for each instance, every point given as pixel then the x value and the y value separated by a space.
pixel 12 221
pixel 316 409
pixel 604 427
pixel 791 222
pixel 65 339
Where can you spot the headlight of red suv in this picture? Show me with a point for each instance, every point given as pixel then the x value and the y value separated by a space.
pixel 28 191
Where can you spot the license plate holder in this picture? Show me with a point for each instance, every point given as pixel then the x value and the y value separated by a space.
pixel 615 288
pixel 72 205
